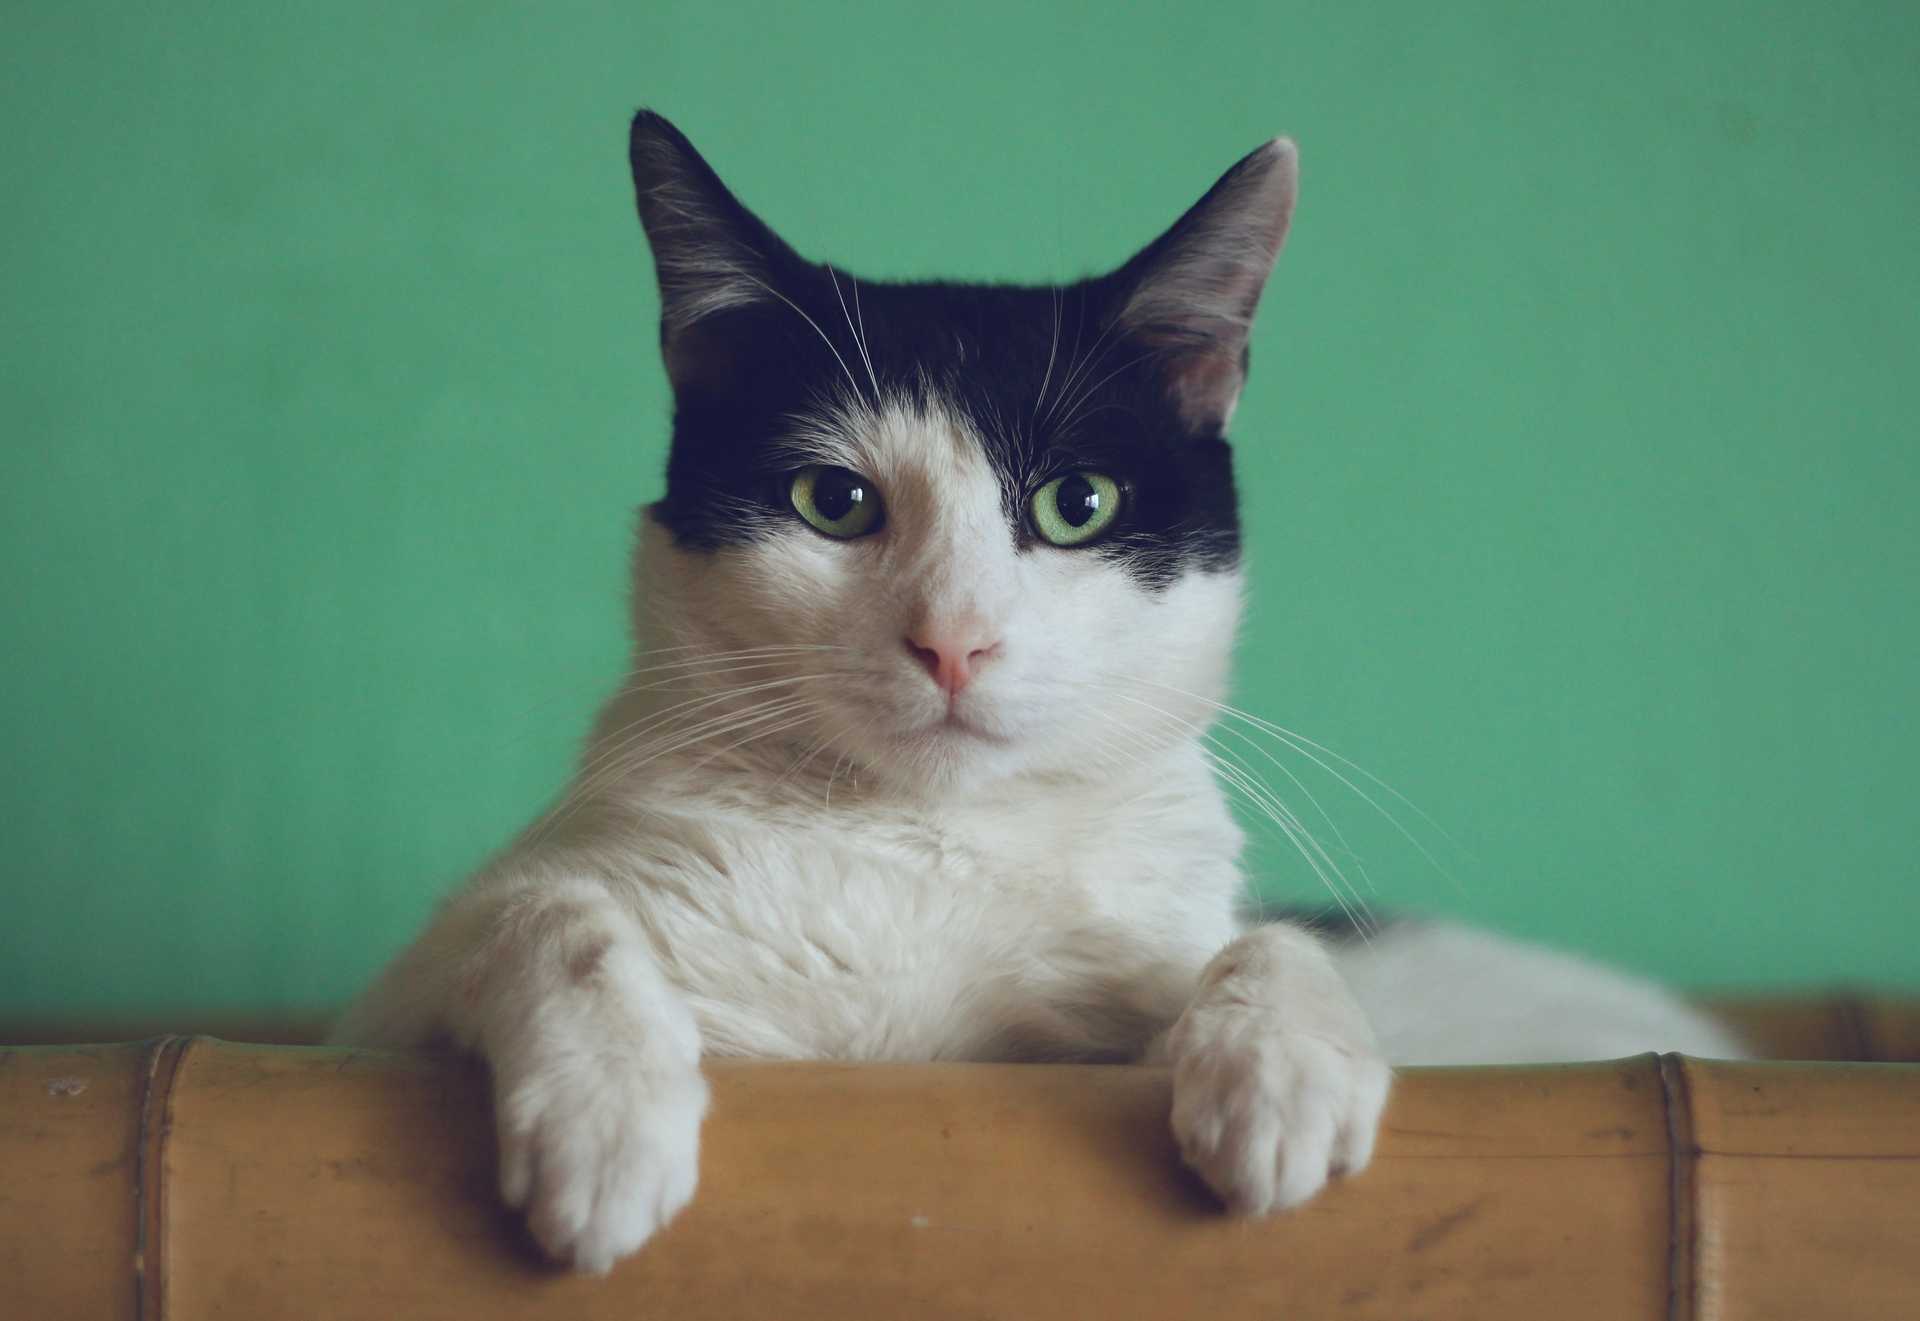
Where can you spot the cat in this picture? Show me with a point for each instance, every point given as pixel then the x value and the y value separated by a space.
pixel 928 627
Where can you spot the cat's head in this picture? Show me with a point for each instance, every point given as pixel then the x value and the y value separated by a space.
pixel 959 532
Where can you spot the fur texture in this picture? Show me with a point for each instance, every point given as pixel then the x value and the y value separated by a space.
pixel 937 788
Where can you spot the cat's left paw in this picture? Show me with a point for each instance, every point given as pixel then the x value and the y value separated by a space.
pixel 1268 1114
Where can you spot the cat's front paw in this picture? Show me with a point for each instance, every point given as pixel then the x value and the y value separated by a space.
pixel 1266 1113
pixel 599 1155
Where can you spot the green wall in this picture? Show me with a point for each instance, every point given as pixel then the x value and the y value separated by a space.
pixel 1579 452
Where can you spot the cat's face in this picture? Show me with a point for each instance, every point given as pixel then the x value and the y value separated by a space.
pixel 952 533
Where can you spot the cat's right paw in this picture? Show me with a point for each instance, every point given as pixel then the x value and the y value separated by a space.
pixel 600 1156
pixel 1267 1115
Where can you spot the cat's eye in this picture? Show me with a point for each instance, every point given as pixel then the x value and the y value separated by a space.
pixel 1073 509
pixel 836 501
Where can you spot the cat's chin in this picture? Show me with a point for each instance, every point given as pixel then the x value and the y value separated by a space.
pixel 951 750
pixel 957 730
pixel 943 756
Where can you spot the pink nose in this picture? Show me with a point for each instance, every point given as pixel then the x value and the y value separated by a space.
pixel 950 657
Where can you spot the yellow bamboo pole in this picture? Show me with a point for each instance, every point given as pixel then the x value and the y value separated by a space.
pixel 193 1178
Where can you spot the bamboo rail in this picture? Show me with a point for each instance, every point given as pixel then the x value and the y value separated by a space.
pixel 188 1177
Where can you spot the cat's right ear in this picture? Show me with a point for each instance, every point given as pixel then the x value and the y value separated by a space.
pixel 1190 295
pixel 711 254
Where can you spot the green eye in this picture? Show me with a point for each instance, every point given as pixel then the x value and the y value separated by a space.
pixel 836 501
pixel 1074 509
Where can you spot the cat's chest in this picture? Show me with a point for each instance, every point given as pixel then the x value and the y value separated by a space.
pixel 899 935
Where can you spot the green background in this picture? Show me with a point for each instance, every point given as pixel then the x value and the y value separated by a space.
pixel 1578 455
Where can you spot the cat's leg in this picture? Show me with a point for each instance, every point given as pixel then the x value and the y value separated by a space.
pixel 1277 1083
pixel 595 1058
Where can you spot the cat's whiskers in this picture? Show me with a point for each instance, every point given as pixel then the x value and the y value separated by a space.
pixel 1318 753
pixel 1138 756
pixel 1349 899
pixel 1090 391
pixel 859 340
pixel 692 677
pixel 616 744
pixel 1200 729
pixel 665 675
pixel 1340 837
pixel 1241 777
pixel 717 727
pixel 802 313
pixel 1262 797
pixel 628 749
pixel 860 331
pixel 800 763
pixel 606 767
pixel 711 658
pixel 1053 347
pixel 626 684
pixel 1084 364
pixel 832 776
pixel 799 716
pixel 639 752
pixel 609 742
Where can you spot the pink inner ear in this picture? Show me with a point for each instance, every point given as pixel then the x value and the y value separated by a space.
pixel 1195 289
pixel 1205 387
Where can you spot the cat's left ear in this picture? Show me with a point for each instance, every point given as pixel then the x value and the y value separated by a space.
pixel 1190 295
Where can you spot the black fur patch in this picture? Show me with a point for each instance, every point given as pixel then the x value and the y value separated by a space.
pixel 1042 374
pixel 1331 921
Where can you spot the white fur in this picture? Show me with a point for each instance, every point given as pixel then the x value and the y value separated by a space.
pixel 785 842
pixel 1438 993
pixel 1277 1083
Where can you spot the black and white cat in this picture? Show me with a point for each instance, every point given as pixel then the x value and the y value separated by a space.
pixel 928 629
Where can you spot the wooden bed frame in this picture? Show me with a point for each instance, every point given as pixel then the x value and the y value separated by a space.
pixel 189 1177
